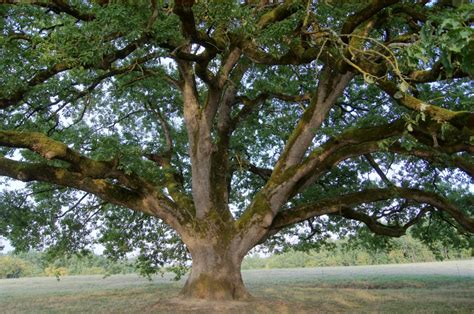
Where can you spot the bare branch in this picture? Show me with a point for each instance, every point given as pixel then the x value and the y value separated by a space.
pixel 377 169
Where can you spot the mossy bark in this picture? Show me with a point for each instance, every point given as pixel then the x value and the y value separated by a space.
pixel 215 275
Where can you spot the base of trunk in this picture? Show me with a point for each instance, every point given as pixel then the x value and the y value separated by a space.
pixel 209 287
pixel 215 275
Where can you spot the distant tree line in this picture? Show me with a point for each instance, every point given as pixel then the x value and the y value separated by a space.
pixel 345 253
pixel 36 264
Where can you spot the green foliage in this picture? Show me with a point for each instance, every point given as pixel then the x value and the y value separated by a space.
pixel 445 34
pixel 37 264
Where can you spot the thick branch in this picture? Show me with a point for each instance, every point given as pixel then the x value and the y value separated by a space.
pixel 58 7
pixel 279 13
pixel 149 203
pixel 363 15
pixel 440 155
pixel 263 173
pixel 297 54
pixel 39 78
pixel 330 87
pixel 78 164
pixel 341 205
pixel 348 144
pixel 364 141
pixel 251 105
pixel 200 144
pixel 51 149
pixel 183 9
pixel 101 178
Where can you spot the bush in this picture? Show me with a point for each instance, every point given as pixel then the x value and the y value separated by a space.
pixel 57 272
pixel 14 267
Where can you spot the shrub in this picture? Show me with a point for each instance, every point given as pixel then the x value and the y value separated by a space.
pixel 57 272
pixel 14 267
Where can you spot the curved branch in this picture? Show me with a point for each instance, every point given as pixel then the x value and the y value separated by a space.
pixel 85 174
pixel 342 205
pixel 51 149
pixel 360 142
pixel 348 144
pixel 183 9
pixel 279 13
pixel 173 179
pixel 297 54
pixel 146 200
pixel 58 7
pixel 376 227
pixel 112 193
pixel 39 78
pixel 439 156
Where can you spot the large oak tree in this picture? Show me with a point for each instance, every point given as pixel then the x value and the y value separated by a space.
pixel 221 124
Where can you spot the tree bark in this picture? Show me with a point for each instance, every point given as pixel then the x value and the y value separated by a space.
pixel 215 275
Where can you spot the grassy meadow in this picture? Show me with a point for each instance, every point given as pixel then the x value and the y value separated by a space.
pixel 439 287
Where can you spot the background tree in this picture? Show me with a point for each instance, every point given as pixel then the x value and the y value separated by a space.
pixel 219 124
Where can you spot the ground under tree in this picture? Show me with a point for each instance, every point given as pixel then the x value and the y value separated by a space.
pixel 222 124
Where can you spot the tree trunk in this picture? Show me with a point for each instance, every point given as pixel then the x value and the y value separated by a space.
pixel 215 275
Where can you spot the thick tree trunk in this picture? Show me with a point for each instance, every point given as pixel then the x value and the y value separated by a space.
pixel 215 275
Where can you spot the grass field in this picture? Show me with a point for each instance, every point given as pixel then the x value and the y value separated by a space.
pixel 410 288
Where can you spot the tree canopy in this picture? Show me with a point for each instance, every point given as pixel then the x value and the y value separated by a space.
pixel 204 128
